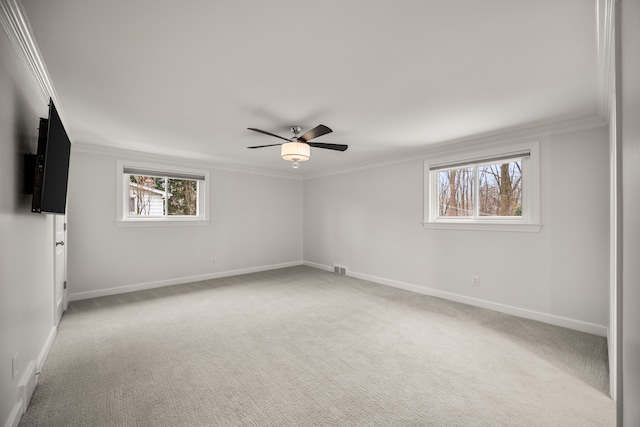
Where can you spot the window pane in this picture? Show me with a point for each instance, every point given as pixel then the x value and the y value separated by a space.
pixel 146 195
pixel 455 192
pixel 159 195
pixel 183 197
pixel 500 189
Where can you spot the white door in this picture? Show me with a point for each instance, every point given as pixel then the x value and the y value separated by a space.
pixel 60 267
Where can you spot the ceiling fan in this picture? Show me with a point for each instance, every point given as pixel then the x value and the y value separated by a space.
pixel 298 148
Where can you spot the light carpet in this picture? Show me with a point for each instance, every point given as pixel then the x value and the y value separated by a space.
pixel 304 347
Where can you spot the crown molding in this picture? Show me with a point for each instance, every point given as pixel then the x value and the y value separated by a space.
pixel 16 25
pixel 605 28
pixel 121 153
pixel 514 134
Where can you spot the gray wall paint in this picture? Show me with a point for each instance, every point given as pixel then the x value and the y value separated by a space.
pixel 630 134
pixel 392 237
pixel 26 239
pixel 371 221
pixel 255 221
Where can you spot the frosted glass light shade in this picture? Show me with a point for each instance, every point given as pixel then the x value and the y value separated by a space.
pixel 295 151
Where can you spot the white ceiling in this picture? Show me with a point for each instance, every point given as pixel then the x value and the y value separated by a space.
pixel 186 78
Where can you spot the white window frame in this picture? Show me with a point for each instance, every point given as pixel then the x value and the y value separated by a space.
pixel 530 219
pixel 156 169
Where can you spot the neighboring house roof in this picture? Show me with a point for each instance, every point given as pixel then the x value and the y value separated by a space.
pixel 133 185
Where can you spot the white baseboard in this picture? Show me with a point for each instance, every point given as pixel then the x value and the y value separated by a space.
pixel 318 266
pixel 577 325
pixel 552 319
pixel 27 385
pixel 34 367
pixel 16 414
pixel 176 281
pixel 44 352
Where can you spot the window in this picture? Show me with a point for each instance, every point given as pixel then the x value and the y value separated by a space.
pixel 157 195
pixel 493 189
pixel 481 190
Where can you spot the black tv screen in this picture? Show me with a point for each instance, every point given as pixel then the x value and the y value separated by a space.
pixel 51 165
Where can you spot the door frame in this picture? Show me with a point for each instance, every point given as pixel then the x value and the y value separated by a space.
pixel 60 300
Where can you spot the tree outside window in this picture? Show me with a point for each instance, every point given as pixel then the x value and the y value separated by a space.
pixel 492 189
pixel 162 196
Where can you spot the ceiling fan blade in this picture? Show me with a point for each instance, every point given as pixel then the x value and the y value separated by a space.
pixel 261 146
pixel 337 147
pixel 314 133
pixel 269 133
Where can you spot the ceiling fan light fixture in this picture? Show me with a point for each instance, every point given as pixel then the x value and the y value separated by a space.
pixel 298 148
pixel 295 152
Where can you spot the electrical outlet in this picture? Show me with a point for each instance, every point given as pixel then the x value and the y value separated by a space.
pixel 213 260
pixel 475 280
pixel 14 365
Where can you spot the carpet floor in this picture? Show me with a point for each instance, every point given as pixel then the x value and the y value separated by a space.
pixel 304 347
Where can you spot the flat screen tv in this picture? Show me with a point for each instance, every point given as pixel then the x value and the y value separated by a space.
pixel 51 169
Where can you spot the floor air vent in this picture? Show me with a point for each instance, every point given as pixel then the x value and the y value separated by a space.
pixel 339 269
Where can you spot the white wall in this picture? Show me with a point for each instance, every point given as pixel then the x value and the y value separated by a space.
pixel 629 70
pixel 26 239
pixel 371 221
pixel 255 223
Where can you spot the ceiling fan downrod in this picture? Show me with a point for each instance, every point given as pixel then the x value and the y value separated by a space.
pixel 295 130
pixel 295 160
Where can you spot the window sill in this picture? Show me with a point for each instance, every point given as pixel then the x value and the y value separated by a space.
pixel 160 222
pixel 482 226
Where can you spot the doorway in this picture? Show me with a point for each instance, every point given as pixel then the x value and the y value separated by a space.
pixel 60 267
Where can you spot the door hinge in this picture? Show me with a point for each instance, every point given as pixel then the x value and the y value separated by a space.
pixel 65 226
pixel 65 285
